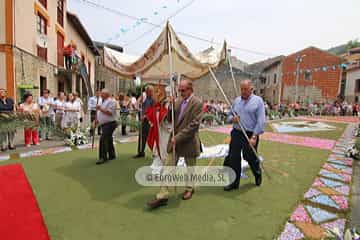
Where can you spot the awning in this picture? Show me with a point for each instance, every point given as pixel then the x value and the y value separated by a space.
pixel 155 64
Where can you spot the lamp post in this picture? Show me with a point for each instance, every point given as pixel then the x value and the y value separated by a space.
pixel 298 60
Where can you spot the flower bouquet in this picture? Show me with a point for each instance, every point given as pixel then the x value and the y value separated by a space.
pixel 76 137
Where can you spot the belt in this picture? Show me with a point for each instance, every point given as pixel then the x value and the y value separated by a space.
pixel 108 123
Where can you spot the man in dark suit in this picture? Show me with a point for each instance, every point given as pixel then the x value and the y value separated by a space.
pixel 145 125
pixel 6 106
pixel 186 142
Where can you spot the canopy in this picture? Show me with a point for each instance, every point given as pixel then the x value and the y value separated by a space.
pixel 155 62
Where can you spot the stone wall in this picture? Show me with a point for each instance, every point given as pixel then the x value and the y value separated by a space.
pixel 113 81
pixel 2 70
pixel 350 88
pixel 305 92
pixel 29 68
pixel 207 89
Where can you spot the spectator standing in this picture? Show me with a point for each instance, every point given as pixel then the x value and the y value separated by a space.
pixel 71 116
pixel 47 118
pixel 124 112
pixel 92 102
pixel 30 134
pixel 59 110
pixel 6 106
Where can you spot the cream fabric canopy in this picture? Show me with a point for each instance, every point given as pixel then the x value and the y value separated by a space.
pixel 155 64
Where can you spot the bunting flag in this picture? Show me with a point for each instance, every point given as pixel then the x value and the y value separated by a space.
pixel 139 22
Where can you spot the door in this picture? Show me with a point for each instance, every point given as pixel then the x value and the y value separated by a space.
pixel 60 50
pixel 43 84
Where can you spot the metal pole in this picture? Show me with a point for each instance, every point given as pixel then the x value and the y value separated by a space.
pixel 297 78
pixel 232 73
pixel 172 94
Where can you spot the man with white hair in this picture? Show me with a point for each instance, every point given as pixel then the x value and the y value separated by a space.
pixel 106 119
pixel 248 111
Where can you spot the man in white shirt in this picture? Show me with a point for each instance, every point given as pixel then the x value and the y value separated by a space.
pixel 46 104
pixel 92 102
pixel 106 119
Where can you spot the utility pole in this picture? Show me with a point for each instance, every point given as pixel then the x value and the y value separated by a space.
pixel 298 60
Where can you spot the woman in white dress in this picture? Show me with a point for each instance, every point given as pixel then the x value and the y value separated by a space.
pixel 71 117
pixel 59 108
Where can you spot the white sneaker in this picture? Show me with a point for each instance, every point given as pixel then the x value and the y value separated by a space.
pixel 27 145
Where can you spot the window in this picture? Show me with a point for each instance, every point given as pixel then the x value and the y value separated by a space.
pixel 275 78
pixel 307 75
pixel 44 3
pixel 42 53
pixel 357 85
pixel 100 85
pixel 41 24
pixel 43 84
pixel 89 70
pixel 60 49
pixel 60 12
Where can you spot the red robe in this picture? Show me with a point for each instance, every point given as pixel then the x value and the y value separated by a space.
pixel 150 114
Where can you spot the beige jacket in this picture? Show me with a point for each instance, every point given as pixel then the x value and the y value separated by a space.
pixel 187 128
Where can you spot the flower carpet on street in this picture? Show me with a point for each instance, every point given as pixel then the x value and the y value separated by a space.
pixel 326 204
pixel 319 143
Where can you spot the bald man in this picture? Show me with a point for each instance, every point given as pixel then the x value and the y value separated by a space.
pixel 106 119
pixel 186 143
pixel 249 111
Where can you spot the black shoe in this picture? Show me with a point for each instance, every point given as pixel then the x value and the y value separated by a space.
pixel 229 188
pixel 101 161
pixel 139 155
pixel 3 149
pixel 12 148
pixel 110 159
pixel 153 204
pixel 258 180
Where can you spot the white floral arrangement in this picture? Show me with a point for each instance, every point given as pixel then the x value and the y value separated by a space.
pixel 352 152
pixel 350 234
pixel 76 138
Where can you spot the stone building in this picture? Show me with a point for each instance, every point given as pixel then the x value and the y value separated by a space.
pixel 106 77
pixel 35 34
pixel 271 87
pixel 207 89
pixel 311 75
pixel 266 77
pixel 350 87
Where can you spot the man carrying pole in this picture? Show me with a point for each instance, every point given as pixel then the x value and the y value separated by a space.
pixel 248 111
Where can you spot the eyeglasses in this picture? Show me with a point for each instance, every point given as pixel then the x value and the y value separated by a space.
pixel 183 90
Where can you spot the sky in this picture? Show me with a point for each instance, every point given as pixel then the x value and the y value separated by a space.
pixel 260 28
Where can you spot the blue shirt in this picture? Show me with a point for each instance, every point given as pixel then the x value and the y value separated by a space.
pixel 251 113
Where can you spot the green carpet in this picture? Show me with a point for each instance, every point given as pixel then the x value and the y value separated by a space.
pixel 82 201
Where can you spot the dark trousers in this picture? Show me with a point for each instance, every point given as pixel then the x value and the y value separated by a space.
pixel 68 62
pixel 46 125
pixel 106 149
pixel 143 134
pixel 239 143
pixel 92 119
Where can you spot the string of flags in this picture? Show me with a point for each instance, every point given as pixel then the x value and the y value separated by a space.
pixel 139 22
pixel 324 68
